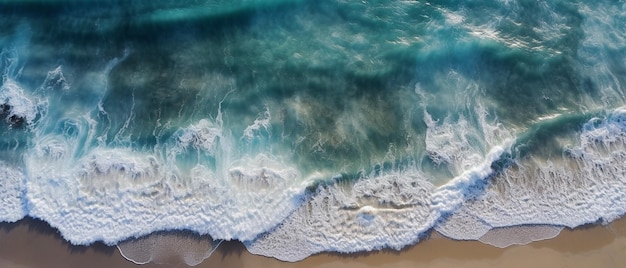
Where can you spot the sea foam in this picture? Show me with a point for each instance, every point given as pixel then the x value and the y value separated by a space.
pixel 12 187
pixel 16 107
pixel 112 194
pixel 585 185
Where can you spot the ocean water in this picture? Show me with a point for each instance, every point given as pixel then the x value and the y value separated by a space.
pixel 300 127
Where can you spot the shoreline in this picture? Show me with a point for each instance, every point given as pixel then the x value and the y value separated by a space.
pixel 33 243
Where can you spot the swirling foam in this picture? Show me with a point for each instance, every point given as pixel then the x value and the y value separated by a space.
pixel 15 105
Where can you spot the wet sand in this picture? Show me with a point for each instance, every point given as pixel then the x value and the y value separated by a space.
pixel 32 243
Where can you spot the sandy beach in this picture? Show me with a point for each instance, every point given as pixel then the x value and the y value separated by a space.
pixel 32 243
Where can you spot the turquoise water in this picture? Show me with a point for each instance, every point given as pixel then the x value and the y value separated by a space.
pixel 306 126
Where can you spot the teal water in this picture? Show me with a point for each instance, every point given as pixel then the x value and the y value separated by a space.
pixel 308 126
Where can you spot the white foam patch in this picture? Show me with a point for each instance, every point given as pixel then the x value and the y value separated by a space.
pixel 204 136
pixel 587 185
pixel 519 235
pixel 168 248
pixel 112 194
pixel 386 211
pixel 461 145
pixel 13 99
pixel 445 142
pixel 12 186
pixel 450 196
pixel 261 123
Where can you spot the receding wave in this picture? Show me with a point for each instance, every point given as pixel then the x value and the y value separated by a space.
pixel 519 235
pixel 168 248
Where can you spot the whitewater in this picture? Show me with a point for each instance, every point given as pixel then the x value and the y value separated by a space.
pixel 299 127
